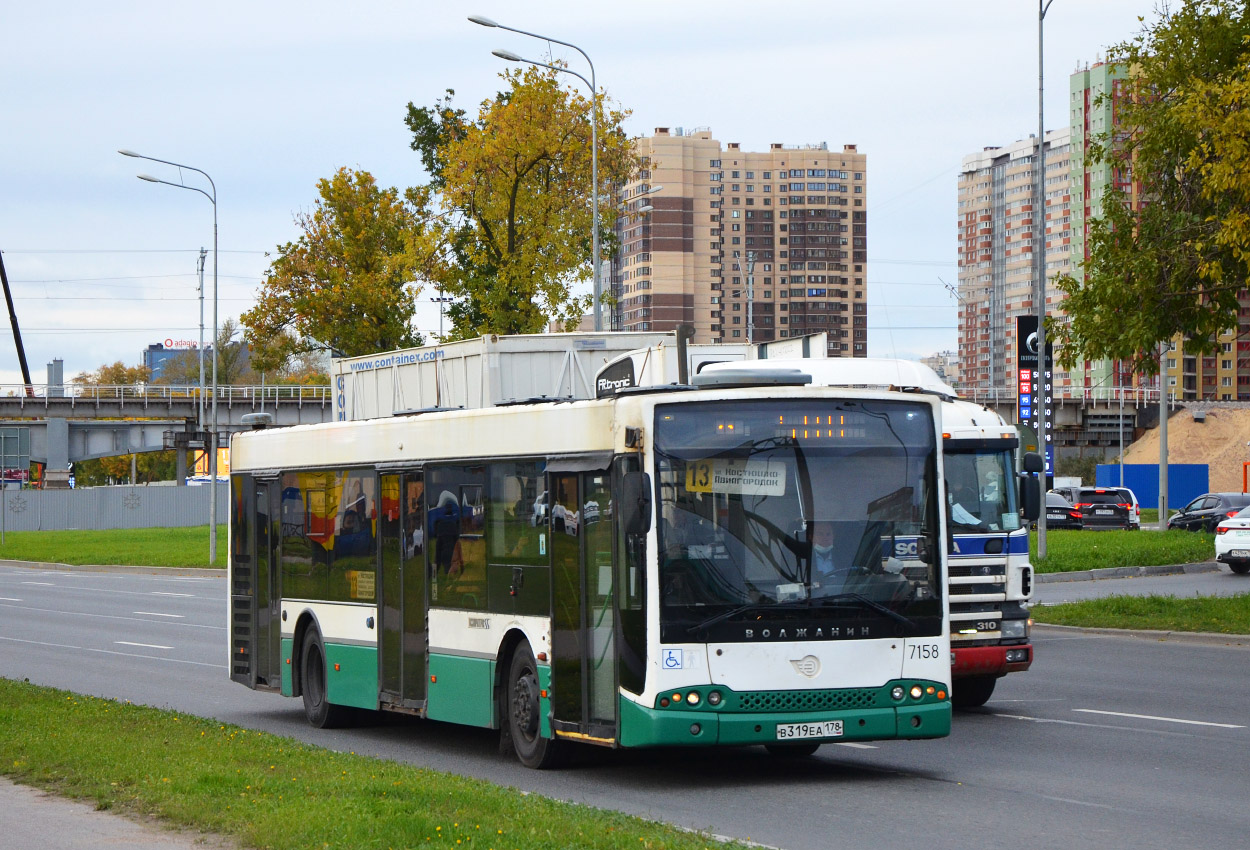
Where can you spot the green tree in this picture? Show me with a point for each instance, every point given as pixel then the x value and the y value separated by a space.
pixel 1176 262
pixel 514 190
pixel 349 282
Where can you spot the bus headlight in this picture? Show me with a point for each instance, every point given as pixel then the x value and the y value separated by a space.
pixel 916 692
pixel 714 698
pixel 897 692
pixel 1015 628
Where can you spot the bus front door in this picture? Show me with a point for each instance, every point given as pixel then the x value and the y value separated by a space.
pixel 584 682
pixel 401 609
pixel 268 600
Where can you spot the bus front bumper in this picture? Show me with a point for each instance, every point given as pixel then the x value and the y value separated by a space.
pixel 648 727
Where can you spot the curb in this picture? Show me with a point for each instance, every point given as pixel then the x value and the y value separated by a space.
pixel 1128 572
pixel 1192 638
pixel 116 568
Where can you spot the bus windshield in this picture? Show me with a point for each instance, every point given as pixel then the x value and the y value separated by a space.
pixel 979 492
pixel 818 513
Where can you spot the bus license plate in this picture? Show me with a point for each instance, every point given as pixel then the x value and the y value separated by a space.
pixel 794 731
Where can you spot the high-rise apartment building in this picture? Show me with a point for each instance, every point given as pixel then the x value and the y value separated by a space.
pixel 1095 94
pixel 997 272
pixel 744 246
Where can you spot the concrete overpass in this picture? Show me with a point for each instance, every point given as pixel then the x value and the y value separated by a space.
pixel 1096 418
pixel 72 423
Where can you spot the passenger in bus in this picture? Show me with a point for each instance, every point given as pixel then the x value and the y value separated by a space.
pixel 446 531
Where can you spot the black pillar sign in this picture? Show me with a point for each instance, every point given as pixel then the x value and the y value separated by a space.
pixel 1031 377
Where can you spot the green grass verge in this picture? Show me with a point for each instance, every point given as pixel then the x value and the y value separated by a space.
pixel 274 792
pixel 1149 514
pixel 141 547
pixel 1220 614
pixel 1068 550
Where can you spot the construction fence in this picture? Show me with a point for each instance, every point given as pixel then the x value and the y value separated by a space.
pixel 98 508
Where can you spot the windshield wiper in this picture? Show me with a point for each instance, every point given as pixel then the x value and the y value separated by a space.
pixel 750 606
pixel 865 602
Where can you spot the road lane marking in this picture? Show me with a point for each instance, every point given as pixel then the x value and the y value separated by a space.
pixel 167 593
pixel 156 614
pixel 115 652
pixel 1083 803
pixel 141 645
pixel 854 745
pixel 40 583
pixel 111 617
pixel 1092 725
pixel 1164 719
pixel 9 599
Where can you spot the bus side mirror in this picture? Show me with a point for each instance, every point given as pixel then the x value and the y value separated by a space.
pixel 636 502
pixel 1030 498
pixel 1033 463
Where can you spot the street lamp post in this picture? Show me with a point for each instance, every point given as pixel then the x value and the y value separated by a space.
pixel 1042 387
pixel 594 144
pixel 212 440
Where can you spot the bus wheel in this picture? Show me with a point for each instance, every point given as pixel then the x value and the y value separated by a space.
pixel 791 751
pixel 524 712
pixel 320 713
pixel 973 692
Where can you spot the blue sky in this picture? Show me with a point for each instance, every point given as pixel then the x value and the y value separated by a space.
pixel 270 97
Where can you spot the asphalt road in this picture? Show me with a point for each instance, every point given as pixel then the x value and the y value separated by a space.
pixel 1107 742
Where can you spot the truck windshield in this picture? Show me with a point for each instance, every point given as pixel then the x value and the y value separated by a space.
pixel 819 513
pixel 980 490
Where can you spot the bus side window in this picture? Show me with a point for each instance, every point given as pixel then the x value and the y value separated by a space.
pixel 456 517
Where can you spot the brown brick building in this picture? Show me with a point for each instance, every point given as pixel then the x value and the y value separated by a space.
pixel 745 246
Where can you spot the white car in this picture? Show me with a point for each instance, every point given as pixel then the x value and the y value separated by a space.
pixel 1232 542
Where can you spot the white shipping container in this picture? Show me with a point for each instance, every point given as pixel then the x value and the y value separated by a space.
pixel 482 372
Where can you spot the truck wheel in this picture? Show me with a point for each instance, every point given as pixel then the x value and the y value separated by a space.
pixel 972 692
pixel 319 711
pixel 523 713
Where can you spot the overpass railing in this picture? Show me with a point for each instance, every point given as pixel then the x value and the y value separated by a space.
pixel 1088 395
pixel 165 394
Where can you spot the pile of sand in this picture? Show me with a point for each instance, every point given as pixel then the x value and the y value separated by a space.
pixel 1219 442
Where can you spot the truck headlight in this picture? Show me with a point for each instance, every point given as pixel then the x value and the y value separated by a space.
pixel 1015 628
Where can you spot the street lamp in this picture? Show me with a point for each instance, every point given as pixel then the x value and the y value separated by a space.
pixel 1042 388
pixel 594 141
pixel 212 440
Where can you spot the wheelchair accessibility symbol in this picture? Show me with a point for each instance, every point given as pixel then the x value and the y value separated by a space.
pixel 671 659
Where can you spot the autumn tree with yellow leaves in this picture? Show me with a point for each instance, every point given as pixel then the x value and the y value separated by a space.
pixel 349 282
pixel 513 189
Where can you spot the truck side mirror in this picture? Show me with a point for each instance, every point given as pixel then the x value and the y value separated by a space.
pixel 1030 498
pixel 1033 463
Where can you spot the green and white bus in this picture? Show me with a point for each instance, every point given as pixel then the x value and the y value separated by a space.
pixel 630 571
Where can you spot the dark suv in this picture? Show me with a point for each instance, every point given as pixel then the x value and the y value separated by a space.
pixel 1104 507
pixel 1208 510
